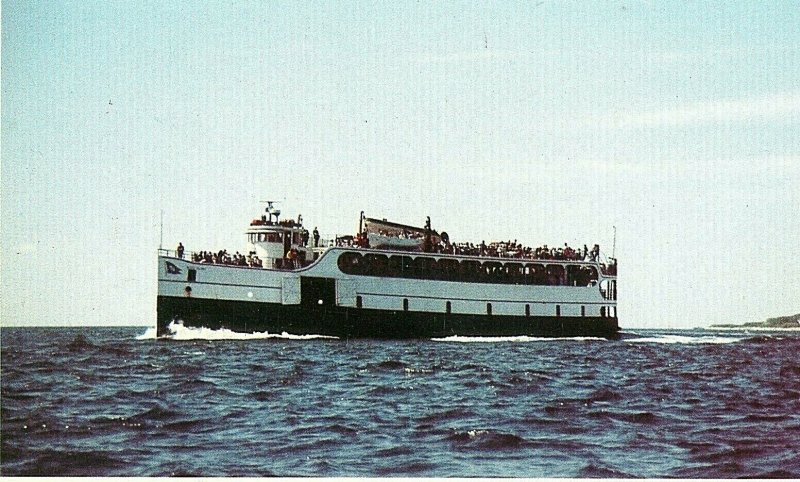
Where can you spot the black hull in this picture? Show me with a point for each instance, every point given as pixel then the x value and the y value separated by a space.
pixel 342 322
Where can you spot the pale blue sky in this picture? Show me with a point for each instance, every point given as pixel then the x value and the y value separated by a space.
pixel 546 122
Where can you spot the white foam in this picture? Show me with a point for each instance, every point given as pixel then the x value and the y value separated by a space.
pixel 149 334
pixel 180 332
pixel 503 339
pixel 679 339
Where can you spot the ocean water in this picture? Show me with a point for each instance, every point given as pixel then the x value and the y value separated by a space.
pixel 116 402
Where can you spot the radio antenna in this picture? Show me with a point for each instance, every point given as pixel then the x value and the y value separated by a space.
pixel 614 246
pixel 161 234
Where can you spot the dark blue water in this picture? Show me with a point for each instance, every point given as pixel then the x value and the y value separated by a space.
pixel 99 401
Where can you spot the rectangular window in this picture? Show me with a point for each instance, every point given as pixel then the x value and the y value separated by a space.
pixel 449 308
pixel 405 304
pixel 488 308
pixel 558 310
pixel 359 302
pixel 527 310
pixel 192 276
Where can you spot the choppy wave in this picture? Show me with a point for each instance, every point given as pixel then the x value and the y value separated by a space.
pixel 180 332
pixel 521 338
pixel 486 440
pixel 79 402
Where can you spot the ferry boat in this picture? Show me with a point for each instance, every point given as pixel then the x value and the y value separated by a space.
pixel 390 280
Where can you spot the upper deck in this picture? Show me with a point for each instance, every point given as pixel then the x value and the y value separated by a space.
pixel 286 245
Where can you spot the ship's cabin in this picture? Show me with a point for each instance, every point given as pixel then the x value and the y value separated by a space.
pixel 281 244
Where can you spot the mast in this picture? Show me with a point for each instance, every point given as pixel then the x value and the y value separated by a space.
pixel 271 211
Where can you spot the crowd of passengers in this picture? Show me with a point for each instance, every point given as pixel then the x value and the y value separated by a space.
pixel 223 257
pixel 496 249
pixel 513 249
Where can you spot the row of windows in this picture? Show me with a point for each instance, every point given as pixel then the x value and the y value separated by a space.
pixel 449 308
pixel 273 237
pixel 471 271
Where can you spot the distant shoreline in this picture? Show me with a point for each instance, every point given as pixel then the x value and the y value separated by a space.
pixel 791 322
pixel 749 328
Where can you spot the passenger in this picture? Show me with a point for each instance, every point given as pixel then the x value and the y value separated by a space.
pixel 180 250
pixel 316 237
pixel 595 254
pixel 291 255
